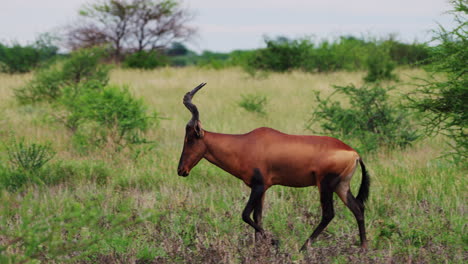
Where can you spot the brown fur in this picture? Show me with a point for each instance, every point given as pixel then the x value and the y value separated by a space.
pixel 289 160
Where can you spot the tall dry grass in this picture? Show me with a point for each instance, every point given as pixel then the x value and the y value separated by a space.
pixel 416 211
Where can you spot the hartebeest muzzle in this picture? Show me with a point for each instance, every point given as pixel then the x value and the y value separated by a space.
pixel 182 172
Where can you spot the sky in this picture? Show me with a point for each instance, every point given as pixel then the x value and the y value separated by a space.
pixel 224 26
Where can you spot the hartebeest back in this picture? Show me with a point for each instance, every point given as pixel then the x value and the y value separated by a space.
pixel 265 157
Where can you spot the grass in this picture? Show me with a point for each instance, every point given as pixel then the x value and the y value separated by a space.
pixel 103 208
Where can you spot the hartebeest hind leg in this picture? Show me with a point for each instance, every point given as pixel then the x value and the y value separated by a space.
pixel 255 203
pixel 357 208
pixel 326 189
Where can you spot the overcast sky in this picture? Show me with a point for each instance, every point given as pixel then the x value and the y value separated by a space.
pixel 242 24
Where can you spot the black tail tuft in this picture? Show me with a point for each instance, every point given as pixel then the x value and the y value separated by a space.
pixel 365 183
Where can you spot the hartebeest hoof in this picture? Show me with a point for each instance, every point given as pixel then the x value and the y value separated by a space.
pixel 266 238
pixel 304 247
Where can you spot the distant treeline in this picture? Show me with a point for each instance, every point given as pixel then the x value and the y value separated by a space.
pixel 15 58
pixel 280 54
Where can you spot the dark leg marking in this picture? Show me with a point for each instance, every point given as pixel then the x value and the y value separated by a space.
pixel 257 216
pixel 258 189
pixel 358 210
pixel 327 187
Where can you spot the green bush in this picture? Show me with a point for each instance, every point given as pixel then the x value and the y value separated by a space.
pixel 112 114
pixel 408 54
pixel 280 55
pixel 443 101
pixel 48 84
pixel 346 53
pixel 379 65
pixel 20 59
pixel 370 121
pixel 26 163
pixel 145 60
pixel 94 112
pixel 45 86
pixel 254 103
pixel 29 157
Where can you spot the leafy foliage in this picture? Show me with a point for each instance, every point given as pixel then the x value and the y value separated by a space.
pixel 115 116
pixel 26 162
pixel 380 65
pixel 48 84
pixel 20 59
pixel 94 112
pixel 29 157
pixel 443 101
pixel 254 103
pixel 370 120
pixel 280 55
pixel 145 60
pixel 346 53
pixel 414 54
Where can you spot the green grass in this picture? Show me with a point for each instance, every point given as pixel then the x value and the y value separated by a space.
pixel 102 207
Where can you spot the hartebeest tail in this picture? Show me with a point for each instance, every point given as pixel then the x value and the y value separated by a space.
pixel 265 157
pixel 363 193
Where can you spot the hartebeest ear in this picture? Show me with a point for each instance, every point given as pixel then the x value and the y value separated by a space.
pixel 198 129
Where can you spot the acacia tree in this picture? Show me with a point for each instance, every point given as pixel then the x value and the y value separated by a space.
pixel 157 24
pixel 443 101
pixel 129 26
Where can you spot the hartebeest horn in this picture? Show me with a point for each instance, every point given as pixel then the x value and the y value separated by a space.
pixel 188 102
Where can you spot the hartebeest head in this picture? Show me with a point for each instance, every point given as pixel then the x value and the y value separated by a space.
pixel 194 146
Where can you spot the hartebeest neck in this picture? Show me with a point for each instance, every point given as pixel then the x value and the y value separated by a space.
pixel 225 151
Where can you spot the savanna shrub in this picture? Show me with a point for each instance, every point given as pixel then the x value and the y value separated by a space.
pixel 280 55
pixel 18 59
pixel 408 54
pixel 370 121
pixel 111 114
pixel 443 101
pixel 21 59
pixel 145 60
pixel 213 60
pixel 45 86
pixel 28 156
pixel 48 84
pixel 254 103
pixel 26 164
pixel 379 65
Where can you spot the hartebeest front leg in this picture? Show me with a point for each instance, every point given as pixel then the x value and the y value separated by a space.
pixel 326 189
pixel 257 216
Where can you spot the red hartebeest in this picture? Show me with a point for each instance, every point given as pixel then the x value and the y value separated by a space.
pixel 265 157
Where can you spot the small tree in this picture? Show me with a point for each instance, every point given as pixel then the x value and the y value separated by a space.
pixel 129 26
pixel 370 121
pixel 443 101
pixel 380 65
pixel 114 116
pixel 48 84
